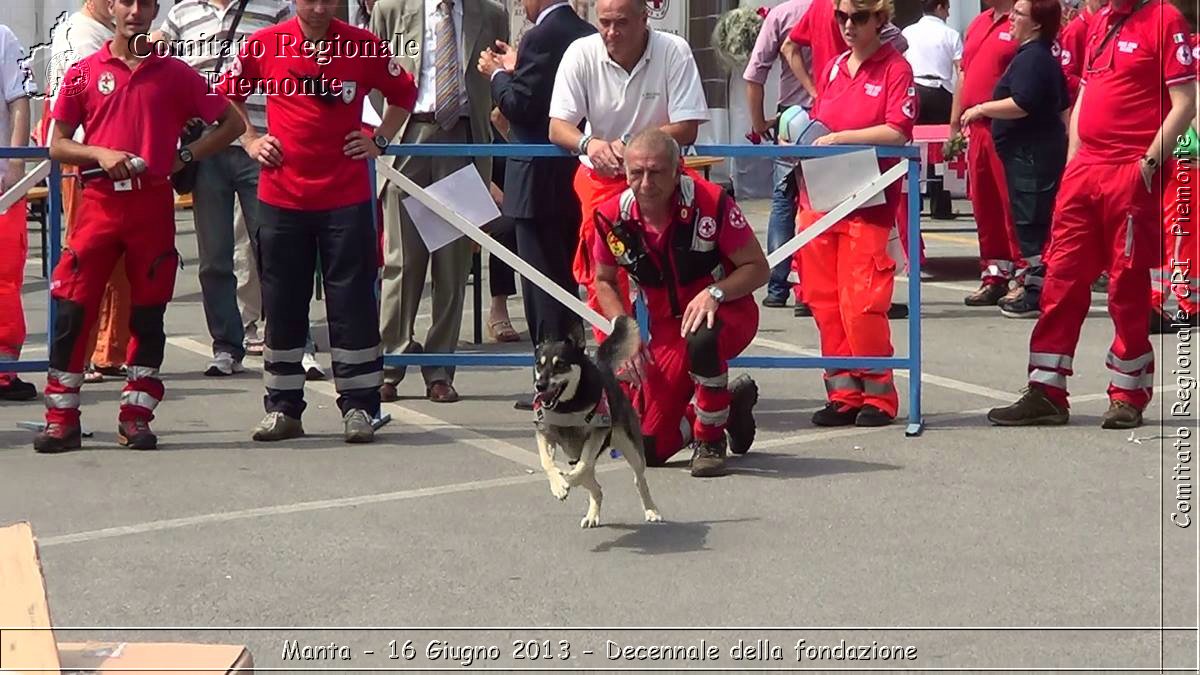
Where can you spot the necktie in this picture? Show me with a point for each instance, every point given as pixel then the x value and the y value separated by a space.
pixel 446 67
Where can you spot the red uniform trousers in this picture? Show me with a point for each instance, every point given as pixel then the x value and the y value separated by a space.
pixel 593 190
pixel 1176 283
pixel 139 224
pixel 678 404
pixel 14 246
pixel 1104 219
pixel 848 282
pixel 998 250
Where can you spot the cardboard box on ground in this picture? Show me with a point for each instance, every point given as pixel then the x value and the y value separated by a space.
pixel 27 643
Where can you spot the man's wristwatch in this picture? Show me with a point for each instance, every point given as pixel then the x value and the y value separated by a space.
pixel 381 142
pixel 716 293
pixel 581 149
pixel 185 155
pixel 1150 162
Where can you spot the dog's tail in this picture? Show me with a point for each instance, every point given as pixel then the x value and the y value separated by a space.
pixel 620 345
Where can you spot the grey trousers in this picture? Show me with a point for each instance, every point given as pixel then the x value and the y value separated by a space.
pixel 219 179
pixel 406 262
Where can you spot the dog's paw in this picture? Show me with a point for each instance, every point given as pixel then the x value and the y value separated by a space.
pixel 589 521
pixel 653 516
pixel 560 489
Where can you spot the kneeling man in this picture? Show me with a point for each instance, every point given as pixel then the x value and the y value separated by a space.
pixel 692 253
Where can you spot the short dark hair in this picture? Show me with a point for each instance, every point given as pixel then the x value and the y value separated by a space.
pixel 1047 14
pixel 930 6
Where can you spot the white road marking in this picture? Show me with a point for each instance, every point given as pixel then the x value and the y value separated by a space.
pixel 926 378
pixel 493 446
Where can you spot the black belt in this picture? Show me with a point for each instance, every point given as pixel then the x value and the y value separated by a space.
pixel 427 118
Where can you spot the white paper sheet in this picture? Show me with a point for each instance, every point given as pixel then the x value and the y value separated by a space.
pixel 462 192
pixel 832 180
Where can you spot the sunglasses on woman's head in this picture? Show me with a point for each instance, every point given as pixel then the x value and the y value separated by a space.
pixel 859 18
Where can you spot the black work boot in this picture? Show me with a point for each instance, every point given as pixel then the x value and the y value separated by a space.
pixel 1034 408
pixel 708 458
pixel 17 390
pixel 1121 415
pixel 835 415
pixel 1027 305
pixel 136 435
pixel 58 438
pixel 741 425
pixel 871 416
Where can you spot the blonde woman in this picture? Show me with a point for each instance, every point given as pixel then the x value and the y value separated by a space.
pixel 867 98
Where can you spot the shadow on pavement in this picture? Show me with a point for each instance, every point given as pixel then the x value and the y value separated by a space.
pixel 771 465
pixel 665 537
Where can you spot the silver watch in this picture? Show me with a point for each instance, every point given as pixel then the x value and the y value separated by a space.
pixel 716 293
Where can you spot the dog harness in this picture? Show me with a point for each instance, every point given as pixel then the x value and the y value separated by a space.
pixel 690 260
pixel 598 416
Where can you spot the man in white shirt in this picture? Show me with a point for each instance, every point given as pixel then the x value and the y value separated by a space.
pixel 623 80
pixel 197 31
pixel 934 51
pixel 15 86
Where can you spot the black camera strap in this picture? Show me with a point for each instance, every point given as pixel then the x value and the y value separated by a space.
pixel 1112 32
pixel 231 36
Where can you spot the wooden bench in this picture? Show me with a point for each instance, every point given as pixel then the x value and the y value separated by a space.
pixel 37 199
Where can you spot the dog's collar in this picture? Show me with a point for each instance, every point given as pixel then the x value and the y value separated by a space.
pixel 596 416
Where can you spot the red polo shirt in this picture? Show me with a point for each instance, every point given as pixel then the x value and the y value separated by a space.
pixel 315 174
pixel 818 30
pixel 881 92
pixel 987 49
pixel 1072 45
pixel 1124 97
pixel 140 111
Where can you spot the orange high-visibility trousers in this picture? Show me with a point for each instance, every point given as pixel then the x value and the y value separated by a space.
pixel 848 281
pixel 593 190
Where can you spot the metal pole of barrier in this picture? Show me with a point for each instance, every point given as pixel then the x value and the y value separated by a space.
pixel 54 203
pixel 916 423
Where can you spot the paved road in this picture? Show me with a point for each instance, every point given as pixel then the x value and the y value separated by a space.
pixel 447 521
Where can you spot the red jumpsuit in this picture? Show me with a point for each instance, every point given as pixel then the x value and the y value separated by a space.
pixel 1176 284
pixel 685 394
pixel 1105 218
pixel 988 47
pixel 849 275
pixel 14 243
pixel 140 112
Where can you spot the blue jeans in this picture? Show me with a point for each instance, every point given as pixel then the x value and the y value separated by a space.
pixel 218 179
pixel 781 227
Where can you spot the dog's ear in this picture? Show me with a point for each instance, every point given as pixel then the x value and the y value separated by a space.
pixel 575 336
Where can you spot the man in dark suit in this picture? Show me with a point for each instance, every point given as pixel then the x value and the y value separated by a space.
pixel 538 193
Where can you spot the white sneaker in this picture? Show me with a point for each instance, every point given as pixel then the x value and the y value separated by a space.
pixel 312 367
pixel 223 364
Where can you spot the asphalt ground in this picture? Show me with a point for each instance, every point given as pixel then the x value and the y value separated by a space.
pixel 973 546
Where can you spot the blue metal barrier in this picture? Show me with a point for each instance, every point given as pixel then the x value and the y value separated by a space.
pixel 53 245
pixel 911 362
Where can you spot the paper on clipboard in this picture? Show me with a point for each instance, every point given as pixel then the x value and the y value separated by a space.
pixel 462 192
pixel 832 180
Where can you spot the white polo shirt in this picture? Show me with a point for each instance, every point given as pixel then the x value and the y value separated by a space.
pixel 933 47
pixel 664 87
pixel 15 80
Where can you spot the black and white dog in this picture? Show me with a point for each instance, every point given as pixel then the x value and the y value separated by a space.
pixel 581 408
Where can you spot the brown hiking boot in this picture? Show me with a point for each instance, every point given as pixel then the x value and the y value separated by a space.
pixel 1121 415
pixel 58 438
pixel 136 435
pixel 988 295
pixel 1033 409
pixel 708 459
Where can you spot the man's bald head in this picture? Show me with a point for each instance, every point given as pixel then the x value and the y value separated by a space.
pixel 652 169
pixel 656 143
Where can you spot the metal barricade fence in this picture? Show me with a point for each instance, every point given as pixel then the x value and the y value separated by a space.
pixel 52 172
pixel 909 154
pixel 911 362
